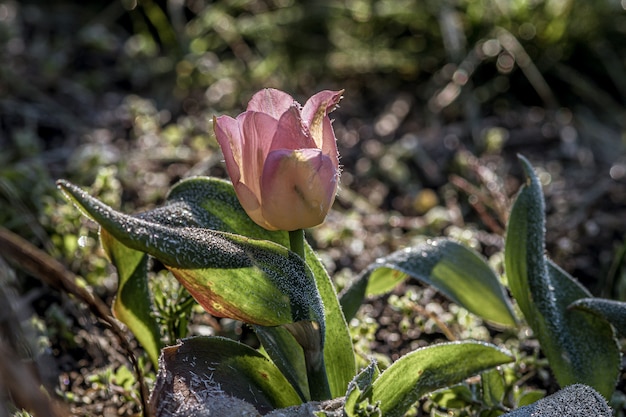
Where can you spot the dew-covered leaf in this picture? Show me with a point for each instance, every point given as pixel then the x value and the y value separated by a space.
pixel 199 371
pixel 196 207
pixel 255 281
pixel 132 305
pixel 572 401
pixel 212 203
pixel 580 347
pixel 612 311
pixel 455 270
pixel 431 368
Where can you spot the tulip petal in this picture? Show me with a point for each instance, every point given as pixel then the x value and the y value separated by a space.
pixel 257 131
pixel 271 101
pixel 245 142
pixel 229 137
pixel 291 133
pixel 250 203
pixel 278 151
pixel 315 115
pixel 297 188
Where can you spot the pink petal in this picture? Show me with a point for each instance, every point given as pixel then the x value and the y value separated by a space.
pixel 228 134
pixel 257 131
pixel 229 137
pixel 271 101
pixel 251 204
pixel 326 99
pixel 315 116
pixel 297 188
pixel 291 133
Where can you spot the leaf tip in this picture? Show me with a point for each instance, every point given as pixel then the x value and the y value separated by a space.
pixel 63 186
pixel 70 191
pixel 529 171
pixel 74 195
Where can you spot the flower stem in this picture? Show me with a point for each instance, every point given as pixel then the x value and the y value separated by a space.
pixel 296 241
pixel 313 355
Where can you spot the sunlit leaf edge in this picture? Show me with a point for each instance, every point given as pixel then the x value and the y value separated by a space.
pixel 482 294
pixel 132 304
pixel 430 368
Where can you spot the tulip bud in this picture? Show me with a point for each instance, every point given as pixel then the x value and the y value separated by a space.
pixel 282 158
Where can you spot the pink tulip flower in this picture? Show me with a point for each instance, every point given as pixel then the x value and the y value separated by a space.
pixel 282 158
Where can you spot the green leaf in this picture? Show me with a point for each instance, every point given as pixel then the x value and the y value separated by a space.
pixel 207 368
pixel 287 354
pixel 431 368
pixel 458 396
pixel 360 389
pixel 528 396
pixel 255 281
pixel 493 388
pixel 200 208
pixel 213 204
pixel 610 310
pixel 338 353
pixel 455 270
pixel 132 305
pixel 580 347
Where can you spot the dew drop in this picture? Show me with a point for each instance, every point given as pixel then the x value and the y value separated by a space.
pixel 82 241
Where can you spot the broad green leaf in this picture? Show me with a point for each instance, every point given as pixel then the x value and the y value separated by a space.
pixel 610 310
pixel 580 347
pixel 255 281
pixel 205 369
pixel 212 203
pixel 338 352
pixel 431 368
pixel 455 270
pixel 132 304
pixel 208 203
